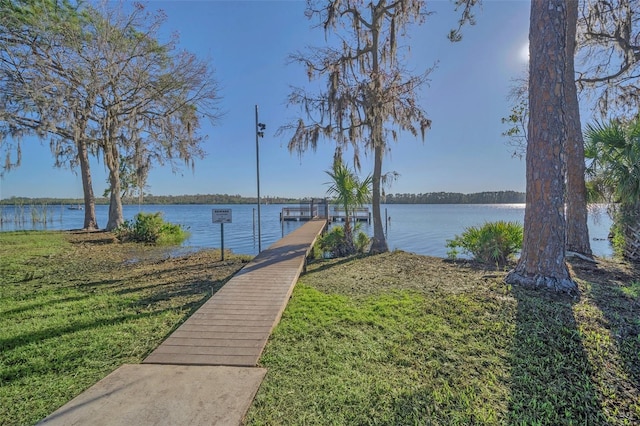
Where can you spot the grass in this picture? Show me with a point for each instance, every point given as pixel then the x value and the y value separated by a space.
pixel 400 339
pixel 72 312
pixel 373 362
pixel 393 339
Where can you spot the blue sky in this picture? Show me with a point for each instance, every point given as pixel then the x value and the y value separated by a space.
pixel 248 43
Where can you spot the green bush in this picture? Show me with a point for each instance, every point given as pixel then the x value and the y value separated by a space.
pixel 150 228
pixel 617 237
pixel 362 242
pixel 335 243
pixel 494 242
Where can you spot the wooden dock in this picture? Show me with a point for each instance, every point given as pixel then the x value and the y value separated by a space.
pixel 205 372
pixel 233 326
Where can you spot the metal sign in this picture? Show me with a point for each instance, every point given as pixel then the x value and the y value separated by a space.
pixel 221 215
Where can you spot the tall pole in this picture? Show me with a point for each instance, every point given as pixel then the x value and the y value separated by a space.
pixel 258 179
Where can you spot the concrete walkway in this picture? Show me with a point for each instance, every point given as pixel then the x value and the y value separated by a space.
pixel 205 372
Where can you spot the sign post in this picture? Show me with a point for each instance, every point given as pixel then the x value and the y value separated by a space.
pixel 221 216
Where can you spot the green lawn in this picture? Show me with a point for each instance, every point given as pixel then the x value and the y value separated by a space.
pixel 72 313
pixel 400 339
pixel 394 339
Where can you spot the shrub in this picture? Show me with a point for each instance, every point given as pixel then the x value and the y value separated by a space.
pixel 150 228
pixel 616 238
pixel 494 242
pixel 316 252
pixel 335 243
pixel 362 242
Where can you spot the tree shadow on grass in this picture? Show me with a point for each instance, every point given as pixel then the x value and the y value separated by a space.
pixel 322 265
pixel 551 380
pixel 39 305
pixel 18 370
pixel 45 333
pixel 614 291
pixel 192 294
pixel 179 295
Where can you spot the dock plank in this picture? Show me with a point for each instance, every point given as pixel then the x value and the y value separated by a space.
pixel 210 343
pixel 233 326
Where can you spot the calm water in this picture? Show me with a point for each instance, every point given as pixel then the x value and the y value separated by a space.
pixel 422 228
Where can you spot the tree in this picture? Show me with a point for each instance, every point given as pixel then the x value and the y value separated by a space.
pixel 577 232
pixel 350 193
pixel 614 152
pixel 369 96
pixel 44 92
pixel 609 55
pixel 131 183
pixel 542 261
pixel 576 192
pixel 152 98
pixel 102 84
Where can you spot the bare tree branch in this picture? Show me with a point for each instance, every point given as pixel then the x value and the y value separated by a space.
pixel 608 54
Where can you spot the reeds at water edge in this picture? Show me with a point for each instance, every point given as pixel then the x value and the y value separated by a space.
pixel 21 215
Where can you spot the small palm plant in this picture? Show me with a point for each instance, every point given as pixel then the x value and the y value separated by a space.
pixel 350 193
pixel 494 242
pixel 614 176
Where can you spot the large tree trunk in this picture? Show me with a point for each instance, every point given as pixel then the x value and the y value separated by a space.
pixel 112 160
pixel 82 118
pixel 115 208
pixel 350 247
pixel 90 221
pixel 542 261
pixel 379 242
pixel 577 231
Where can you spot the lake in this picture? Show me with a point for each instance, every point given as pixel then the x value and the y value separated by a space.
pixel 418 228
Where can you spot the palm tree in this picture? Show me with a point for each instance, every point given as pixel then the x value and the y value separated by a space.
pixel 614 173
pixel 350 193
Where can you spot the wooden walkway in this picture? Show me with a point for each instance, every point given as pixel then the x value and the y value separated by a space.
pixel 233 326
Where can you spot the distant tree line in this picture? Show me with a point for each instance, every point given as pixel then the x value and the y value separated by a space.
pixel 156 199
pixel 210 199
pixel 26 201
pixel 495 197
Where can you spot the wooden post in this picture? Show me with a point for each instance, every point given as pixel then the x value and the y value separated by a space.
pixel 222 242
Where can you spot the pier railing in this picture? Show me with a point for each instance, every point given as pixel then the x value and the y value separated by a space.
pixel 298 213
pixel 333 213
pixel 337 214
